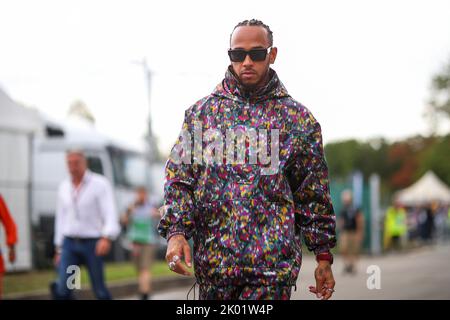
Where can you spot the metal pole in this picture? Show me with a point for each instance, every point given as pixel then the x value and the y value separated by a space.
pixel 151 143
pixel 358 189
pixel 375 241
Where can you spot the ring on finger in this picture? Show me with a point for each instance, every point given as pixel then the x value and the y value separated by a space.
pixel 175 258
pixel 172 265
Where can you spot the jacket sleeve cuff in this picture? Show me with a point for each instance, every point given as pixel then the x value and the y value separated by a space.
pixel 321 249
pixel 175 233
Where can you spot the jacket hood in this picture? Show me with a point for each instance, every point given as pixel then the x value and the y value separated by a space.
pixel 231 88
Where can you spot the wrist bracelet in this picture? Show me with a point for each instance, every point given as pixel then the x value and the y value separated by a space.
pixel 325 256
pixel 175 234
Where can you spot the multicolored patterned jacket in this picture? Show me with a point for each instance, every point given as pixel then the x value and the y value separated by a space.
pixel 247 224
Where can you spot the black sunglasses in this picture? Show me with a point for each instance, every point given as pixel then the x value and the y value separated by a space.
pixel 239 55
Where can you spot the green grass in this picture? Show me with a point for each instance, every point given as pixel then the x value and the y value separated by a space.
pixel 27 282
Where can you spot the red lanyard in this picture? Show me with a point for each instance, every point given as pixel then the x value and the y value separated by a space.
pixel 76 192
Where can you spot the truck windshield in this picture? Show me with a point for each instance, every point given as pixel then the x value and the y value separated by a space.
pixel 130 169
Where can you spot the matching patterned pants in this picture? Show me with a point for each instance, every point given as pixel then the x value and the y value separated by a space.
pixel 246 292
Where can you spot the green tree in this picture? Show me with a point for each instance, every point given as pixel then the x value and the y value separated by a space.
pixel 341 157
pixel 437 158
pixel 398 164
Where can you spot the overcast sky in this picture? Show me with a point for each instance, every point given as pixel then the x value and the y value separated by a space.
pixel 362 67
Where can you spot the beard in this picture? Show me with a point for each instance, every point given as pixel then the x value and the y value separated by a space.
pixel 251 87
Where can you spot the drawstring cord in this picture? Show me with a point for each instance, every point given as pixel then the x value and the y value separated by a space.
pixel 189 292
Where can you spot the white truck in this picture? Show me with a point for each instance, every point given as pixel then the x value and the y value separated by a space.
pixel 32 164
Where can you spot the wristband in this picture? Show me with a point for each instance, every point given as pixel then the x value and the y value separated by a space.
pixel 325 256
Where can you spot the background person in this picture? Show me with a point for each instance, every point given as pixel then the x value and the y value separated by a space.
pixel 141 232
pixel 11 238
pixel 351 224
pixel 86 224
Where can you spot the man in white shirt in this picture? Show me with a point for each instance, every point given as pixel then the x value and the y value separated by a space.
pixel 86 223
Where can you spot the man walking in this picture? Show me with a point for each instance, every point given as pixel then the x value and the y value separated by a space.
pixel 86 223
pixel 247 215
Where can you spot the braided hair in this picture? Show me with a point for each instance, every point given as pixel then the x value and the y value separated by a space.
pixel 254 22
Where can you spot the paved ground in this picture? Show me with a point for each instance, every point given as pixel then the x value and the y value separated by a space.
pixel 419 274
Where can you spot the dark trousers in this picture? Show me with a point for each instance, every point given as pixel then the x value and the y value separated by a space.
pixel 76 252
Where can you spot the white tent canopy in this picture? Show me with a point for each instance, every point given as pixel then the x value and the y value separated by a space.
pixel 15 117
pixel 427 188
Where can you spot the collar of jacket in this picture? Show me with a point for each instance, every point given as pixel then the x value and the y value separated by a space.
pixel 231 88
